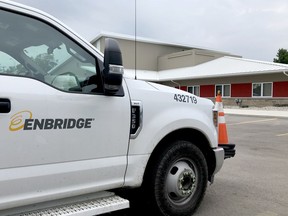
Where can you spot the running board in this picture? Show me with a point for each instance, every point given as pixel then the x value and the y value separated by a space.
pixel 84 208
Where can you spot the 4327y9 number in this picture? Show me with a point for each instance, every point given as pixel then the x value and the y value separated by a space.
pixel 185 98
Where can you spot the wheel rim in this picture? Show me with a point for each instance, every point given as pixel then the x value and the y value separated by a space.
pixel 181 181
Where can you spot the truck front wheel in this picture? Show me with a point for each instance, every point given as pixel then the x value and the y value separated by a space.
pixel 178 180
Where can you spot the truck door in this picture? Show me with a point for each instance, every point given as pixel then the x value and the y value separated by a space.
pixel 60 135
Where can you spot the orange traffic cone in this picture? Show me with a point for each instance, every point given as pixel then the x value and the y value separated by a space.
pixel 222 129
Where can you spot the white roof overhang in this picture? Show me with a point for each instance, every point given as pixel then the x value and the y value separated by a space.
pixel 221 67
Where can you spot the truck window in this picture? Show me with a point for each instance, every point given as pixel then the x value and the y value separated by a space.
pixel 32 48
pixel 9 65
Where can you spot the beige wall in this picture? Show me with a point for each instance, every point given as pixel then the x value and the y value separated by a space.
pixel 157 57
pixel 188 58
pixel 147 53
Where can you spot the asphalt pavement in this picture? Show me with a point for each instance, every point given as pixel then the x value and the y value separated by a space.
pixel 254 182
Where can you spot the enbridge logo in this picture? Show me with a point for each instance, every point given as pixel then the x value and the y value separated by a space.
pixel 17 121
pixel 23 121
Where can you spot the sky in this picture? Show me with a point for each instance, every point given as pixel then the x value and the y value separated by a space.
pixel 253 29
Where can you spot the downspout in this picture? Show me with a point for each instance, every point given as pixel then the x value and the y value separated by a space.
pixel 176 83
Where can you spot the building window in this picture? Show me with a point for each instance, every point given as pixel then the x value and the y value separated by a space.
pixel 225 90
pixel 194 90
pixel 262 89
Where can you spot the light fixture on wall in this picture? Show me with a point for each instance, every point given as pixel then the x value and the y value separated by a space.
pixel 238 102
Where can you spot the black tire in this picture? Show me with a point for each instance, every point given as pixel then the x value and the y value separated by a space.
pixel 177 182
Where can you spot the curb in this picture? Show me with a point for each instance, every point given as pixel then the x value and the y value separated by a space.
pixel 264 113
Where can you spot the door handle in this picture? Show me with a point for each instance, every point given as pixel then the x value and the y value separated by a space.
pixel 5 105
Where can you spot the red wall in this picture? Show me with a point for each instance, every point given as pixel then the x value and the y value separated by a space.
pixel 184 88
pixel 207 91
pixel 241 90
pixel 280 89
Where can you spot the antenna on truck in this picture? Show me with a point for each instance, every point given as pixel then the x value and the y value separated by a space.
pixel 135 48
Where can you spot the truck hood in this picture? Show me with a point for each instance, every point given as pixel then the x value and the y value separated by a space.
pixel 141 89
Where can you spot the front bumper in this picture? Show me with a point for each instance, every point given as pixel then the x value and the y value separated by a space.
pixel 219 159
pixel 229 150
pixel 221 153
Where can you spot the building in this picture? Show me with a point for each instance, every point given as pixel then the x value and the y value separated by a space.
pixel 203 71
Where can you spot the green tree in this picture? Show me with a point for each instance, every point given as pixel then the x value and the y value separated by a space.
pixel 45 61
pixel 282 56
pixel 18 69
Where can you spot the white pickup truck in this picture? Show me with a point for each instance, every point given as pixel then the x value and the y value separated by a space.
pixel 74 130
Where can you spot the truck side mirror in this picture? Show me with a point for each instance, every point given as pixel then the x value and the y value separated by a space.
pixel 113 69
